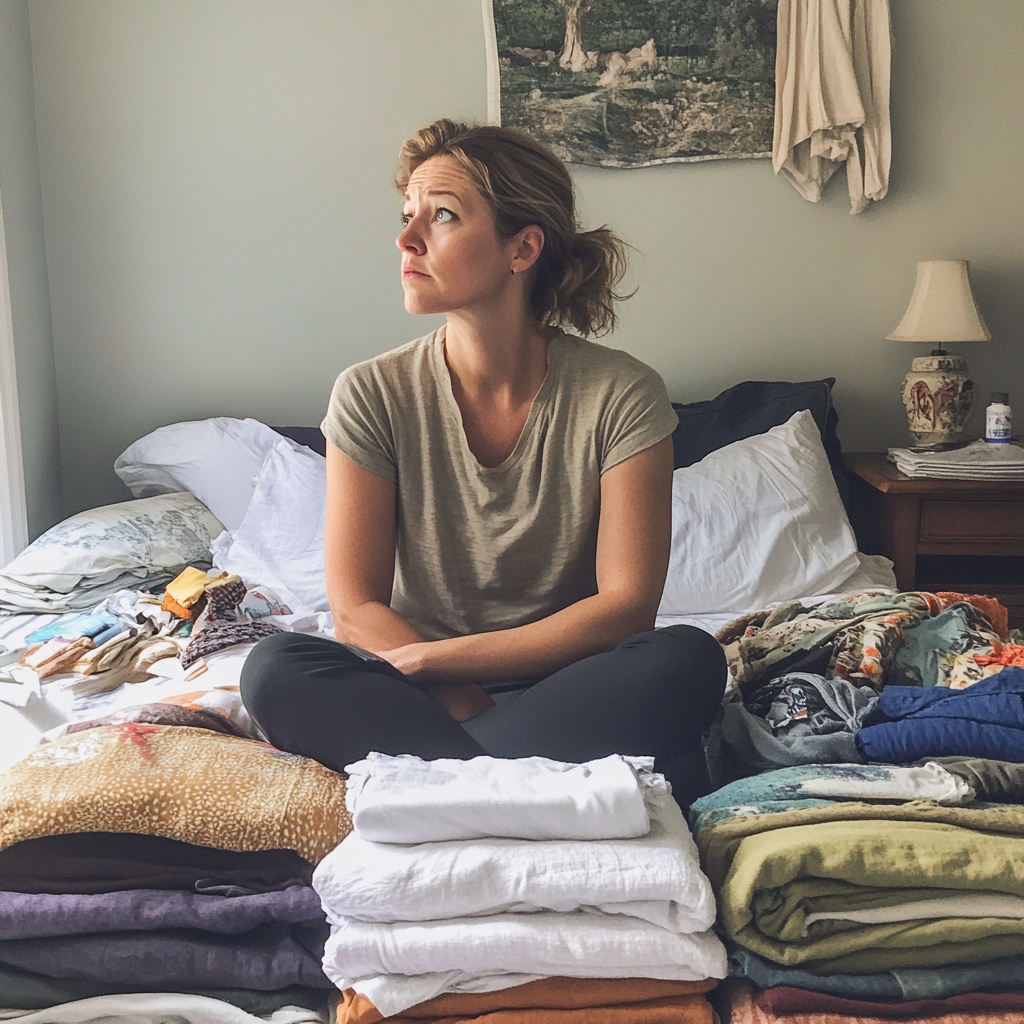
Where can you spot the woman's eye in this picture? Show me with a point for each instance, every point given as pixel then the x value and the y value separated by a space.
pixel 444 215
pixel 404 220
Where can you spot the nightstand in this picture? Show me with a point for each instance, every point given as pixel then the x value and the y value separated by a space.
pixel 960 535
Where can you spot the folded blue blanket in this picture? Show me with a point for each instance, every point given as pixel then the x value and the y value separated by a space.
pixel 985 720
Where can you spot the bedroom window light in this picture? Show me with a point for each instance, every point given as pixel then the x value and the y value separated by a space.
pixel 13 509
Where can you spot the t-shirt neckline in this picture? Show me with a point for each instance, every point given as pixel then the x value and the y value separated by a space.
pixel 539 403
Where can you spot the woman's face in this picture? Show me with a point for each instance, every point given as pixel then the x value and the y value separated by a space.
pixel 452 255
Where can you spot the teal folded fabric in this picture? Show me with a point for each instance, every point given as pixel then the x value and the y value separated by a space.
pixel 1003 975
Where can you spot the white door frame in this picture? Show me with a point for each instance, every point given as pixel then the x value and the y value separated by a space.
pixel 13 507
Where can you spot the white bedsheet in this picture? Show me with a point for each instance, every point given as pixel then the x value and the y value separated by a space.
pixel 404 799
pixel 656 877
pixel 873 573
pixel 573 945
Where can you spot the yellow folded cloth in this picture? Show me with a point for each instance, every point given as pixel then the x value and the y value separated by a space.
pixel 188 784
pixel 186 588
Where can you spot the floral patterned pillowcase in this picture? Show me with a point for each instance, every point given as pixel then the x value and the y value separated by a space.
pixel 148 534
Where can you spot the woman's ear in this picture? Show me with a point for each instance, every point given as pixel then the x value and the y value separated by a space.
pixel 527 245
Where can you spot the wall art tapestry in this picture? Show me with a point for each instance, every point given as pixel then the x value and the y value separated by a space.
pixel 631 83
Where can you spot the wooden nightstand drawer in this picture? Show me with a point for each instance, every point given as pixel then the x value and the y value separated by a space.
pixel 906 520
pixel 976 521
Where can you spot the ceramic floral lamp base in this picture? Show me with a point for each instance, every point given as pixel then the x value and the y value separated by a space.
pixel 939 398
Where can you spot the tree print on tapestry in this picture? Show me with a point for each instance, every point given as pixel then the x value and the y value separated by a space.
pixel 630 83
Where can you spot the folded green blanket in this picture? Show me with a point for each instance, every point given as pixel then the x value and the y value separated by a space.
pixel 779 877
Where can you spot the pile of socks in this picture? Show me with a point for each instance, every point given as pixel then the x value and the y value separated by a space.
pixel 529 886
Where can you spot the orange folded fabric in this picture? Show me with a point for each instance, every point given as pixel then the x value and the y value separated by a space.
pixel 551 1001
pixel 1003 654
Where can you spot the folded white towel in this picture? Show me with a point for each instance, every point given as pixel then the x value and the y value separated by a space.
pixel 573 945
pixel 656 877
pixel 928 781
pixel 404 799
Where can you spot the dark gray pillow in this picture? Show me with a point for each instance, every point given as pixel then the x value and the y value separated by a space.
pixel 311 437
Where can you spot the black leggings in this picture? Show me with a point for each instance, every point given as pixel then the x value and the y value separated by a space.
pixel 653 693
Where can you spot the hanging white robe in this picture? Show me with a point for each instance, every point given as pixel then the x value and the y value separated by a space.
pixel 832 96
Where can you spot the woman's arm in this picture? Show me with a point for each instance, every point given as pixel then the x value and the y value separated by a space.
pixel 359 556
pixel 633 540
pixel 359 559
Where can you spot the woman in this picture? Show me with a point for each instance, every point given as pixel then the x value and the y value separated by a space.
pixel 498 500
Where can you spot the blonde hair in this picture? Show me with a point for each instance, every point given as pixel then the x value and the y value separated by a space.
pixel 525 183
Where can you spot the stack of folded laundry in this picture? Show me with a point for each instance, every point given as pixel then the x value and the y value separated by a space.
pixel 871 891
pixel 976 461
pixel 165 869
pixel 541 890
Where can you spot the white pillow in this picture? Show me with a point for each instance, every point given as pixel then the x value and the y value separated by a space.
pixel 756 522
pixel 161 532
pixel 216 459
pixel 280 543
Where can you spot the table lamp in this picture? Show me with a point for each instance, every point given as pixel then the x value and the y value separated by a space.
pixel 937 393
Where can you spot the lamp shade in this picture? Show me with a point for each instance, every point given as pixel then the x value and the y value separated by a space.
pixel 942 307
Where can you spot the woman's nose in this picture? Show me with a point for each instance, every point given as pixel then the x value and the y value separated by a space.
pixel 410 241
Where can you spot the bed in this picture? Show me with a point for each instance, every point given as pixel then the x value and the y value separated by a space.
pixel 758 523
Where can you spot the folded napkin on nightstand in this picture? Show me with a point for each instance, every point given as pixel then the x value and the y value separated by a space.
pixel 977 461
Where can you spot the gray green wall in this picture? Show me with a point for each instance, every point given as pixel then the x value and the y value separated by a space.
pixel 219 216
pixel 30 300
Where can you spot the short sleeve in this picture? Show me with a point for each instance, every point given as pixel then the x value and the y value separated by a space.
pixel 638 415
pixel 357 421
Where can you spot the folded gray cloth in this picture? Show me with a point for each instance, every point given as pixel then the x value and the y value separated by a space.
pixel 270 957
pixel 811 720
pixel 26 990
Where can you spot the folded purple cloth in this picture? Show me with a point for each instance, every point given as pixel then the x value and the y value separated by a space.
pixel 25 916
pixel 269 957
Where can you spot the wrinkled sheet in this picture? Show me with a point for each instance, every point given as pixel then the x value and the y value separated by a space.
pixel 656 877
pixel 576 944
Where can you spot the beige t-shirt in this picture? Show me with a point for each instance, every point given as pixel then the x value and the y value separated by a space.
pixel 480 548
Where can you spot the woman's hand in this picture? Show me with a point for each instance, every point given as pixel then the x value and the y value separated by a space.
pixel 460 700
pixel 411 660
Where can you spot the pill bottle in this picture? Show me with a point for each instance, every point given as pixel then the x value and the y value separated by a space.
pixel 999 419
